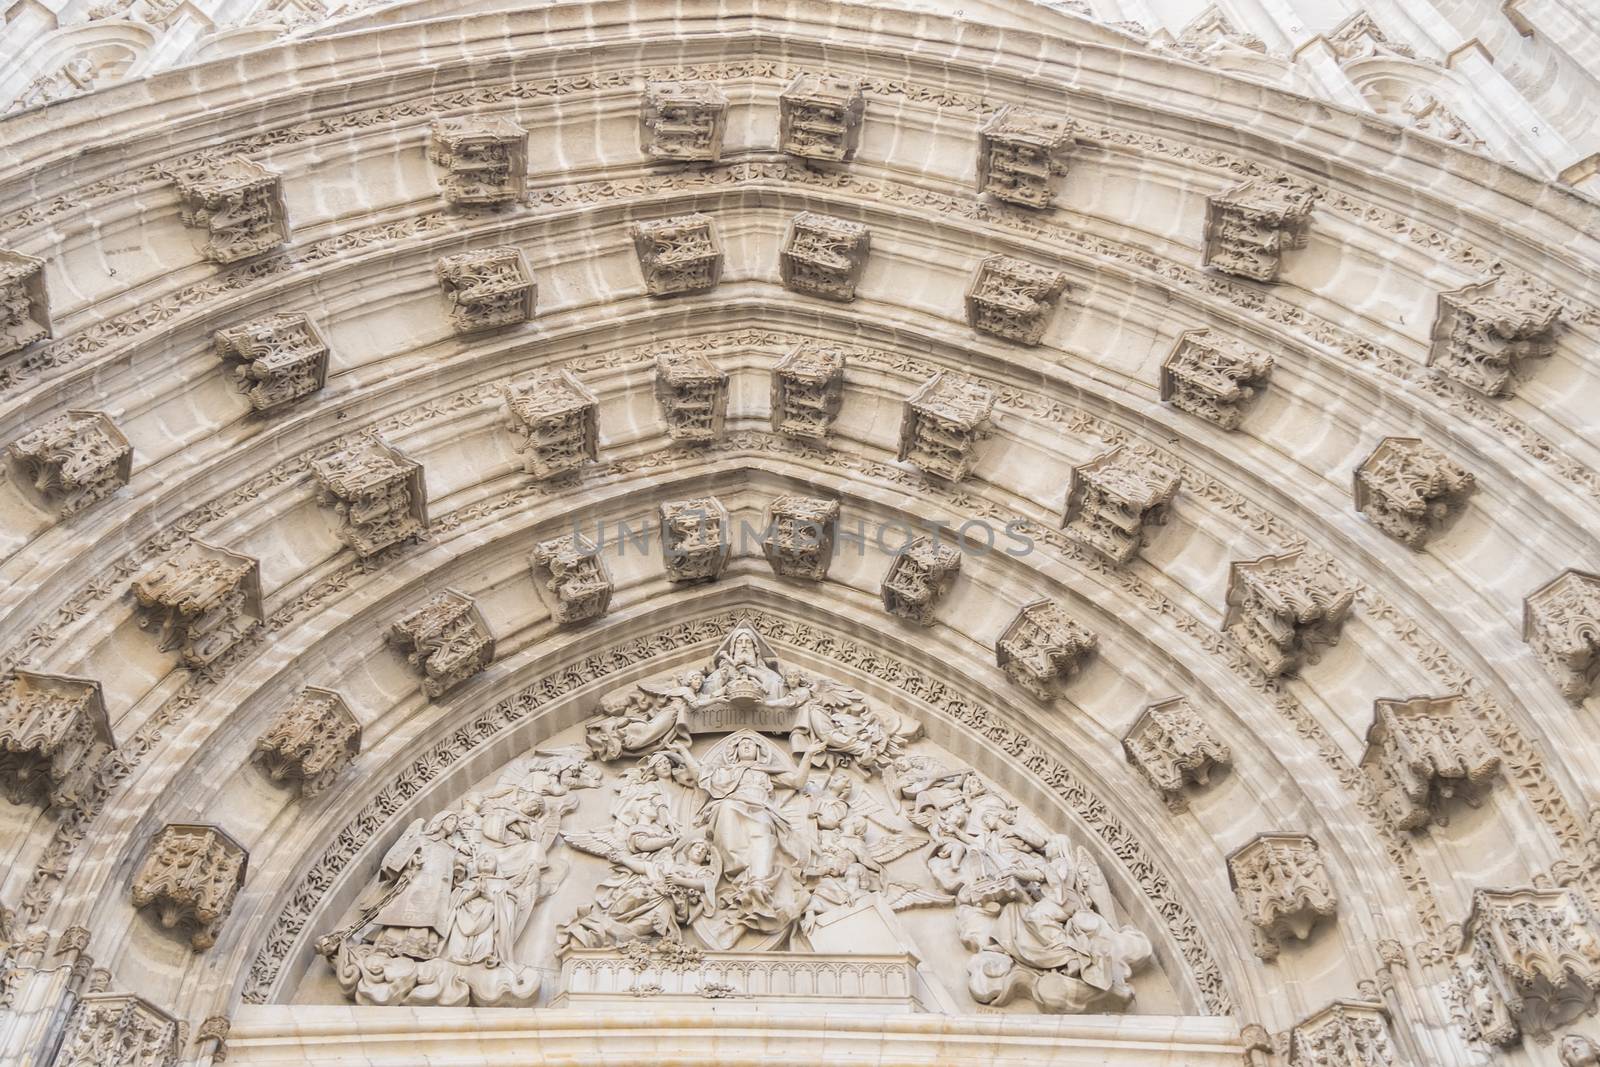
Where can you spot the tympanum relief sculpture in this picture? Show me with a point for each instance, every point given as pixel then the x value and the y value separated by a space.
pixel 721 827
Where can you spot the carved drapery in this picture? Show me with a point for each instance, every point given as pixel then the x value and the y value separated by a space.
pixel 239 205
pixel 819 117
pixel 682 121
pixel 199 601
pixel 275 360
pixel 74 460
pixel 943 424
pixel 1043 646
pixel 1483 332
pixel 823 256
pixel 799 536
pixel 1282 888
pixel 189 878
pixel 1284 609
pixel 807 390
pixel 446 639
pixel 1214 376
pixel 678 255
pixel 1012 299
pixel 1112 499
pixel 1561 621
pixel 53 735
pixel 1019 151
pixel 918 578
pixel 1250 226
pixel 1173 747
pixel 1409 489
pixel 377 493
pixel 556 422
pixel 485 158
pixel 312 739
pixel 1529 963
pixel 1425 751
pixel 24 304
pixel 574 577
pixel 487 288
pixel 693 394
pixel 695 539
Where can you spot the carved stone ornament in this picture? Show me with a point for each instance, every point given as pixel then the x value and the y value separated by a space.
pixel 819 117
pixel 275 360
pixel 574 577
pixel 199 601
pixel 1579 1051
pixel 1483 332
pixel 310 740
pixel 556 422
pixel 1409 489
pixel 1284 609
pixel 1043 646
pixel 681 254
pixel 1174 747
pixel 54 734
pixel 1214 376
pixel 1250 226
pixel 696 538
pixel 1529 963
pixel 799 537
pixel 119 1030
pixel 682 121
pixel 376 492
pixel 1212 33
pixel 1013 299
pixel 74 460
pixel 238 203
pixel 1561 621
pixel 1113 499
pixel 1358 37
pixel 485 158
pixel 807 390
pixel 693 394
pixel 1425 751
pixel 1282 888
pixel 189 878
pixel 1347 1033
pixel 1019 151
pixel 943 423
pixel 823 256
pixel 921 574
pixel 487 288
pixel 447 640
pixel 24 305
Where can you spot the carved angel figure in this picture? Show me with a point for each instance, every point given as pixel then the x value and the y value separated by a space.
pixel 851 730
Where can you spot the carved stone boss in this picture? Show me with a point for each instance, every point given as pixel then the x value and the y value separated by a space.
pixel 1173 747
pixel 485 157
pixel 1347 1033
pixel 74 460
pixel 693 394
pixel 819 117
pixel 799 539
pixel 275 360
pixel 199 601
pixel 1561 620
pixel 556 421
pixel 446 639
pixel 1284 609
pixel 487 288
pixel 943 423
pixel 1282 887
pixel 681 254
pixel 682 121
pixel 189 879
pixel 119 1030
pixel 1019 151
pixel 695 539
pixel 1042 646
pixel 24 305
pixel 571 571
pixel 921 574
pixel 1250 226
pixel 239 203
pixel 1113 498
pixel 807 390
pixel 1425 751
pixel 54 733
pixel 1214 376
pixel 310 740
pixel 376 491
pixel 1013 299
pixel 824 256
pixel 1530 963
pixel 1409 489
pixel 1482 333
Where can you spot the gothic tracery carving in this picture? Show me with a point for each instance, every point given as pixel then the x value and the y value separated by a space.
pixel 1561 621
pixel 1173 746
pixel 677 255
pixel 1019 151
pixel 74 460
pixel 275 360
pixel 189 878
pixel 571 571
pixel 1113 498
pixel 556 421
pixel 24 305
pixel 819 117
pixel 119 1030
pixel 310 740
pixel 54 733
pixel 376 491
pixel 446 639
pixel 824 256
pixel 693 394
pixel 1529 963
pixel 799 536
pixel 1214 376
pixel 918 578
pixel 1250 226
pixel 695 539
pixel 1483 332
pixel 1425 751
pixel 1282 887
pixel 487 288
pixel 1409 489
pixel 1042 646
pixel 1346 1033
pixel 1358 37
pixel 682 121
pixel 1284 609
pixel 238 203
pixel 1013 299
pixel 199 601
pixel 485 158
pixel 943 424
pixel 807 390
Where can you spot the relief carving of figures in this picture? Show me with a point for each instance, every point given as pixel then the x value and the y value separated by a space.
pixel 24 305
pixel 1579 1051
pixel 455 892
pixel 1561 621
pixel 75 459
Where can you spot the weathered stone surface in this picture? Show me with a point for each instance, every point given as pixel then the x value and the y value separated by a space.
pixel 574 576
pixel 377 493
pixel 1019 152
pixel 119 1030
pixel 189 878
pixel 487 289
pixel 1561 622
pixel 678 255
pixel 485 158
pixel 1214 376
pixel 274 360
pixel 918 579
pixel 823 256
pixel 1483 333
pixel 1012 299
pixel 1347 1033
pixel 943 424
pixel 1114 498
pixel 556 420
pixel 819 117
pixel 1424 752
pixel 74 460
pixel 1284 609
pixel 682 121
pixel 446 640
pixel 808 390
pixel 695 539
pixel 1043 646
pixel 310 741
pixel 1529 963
